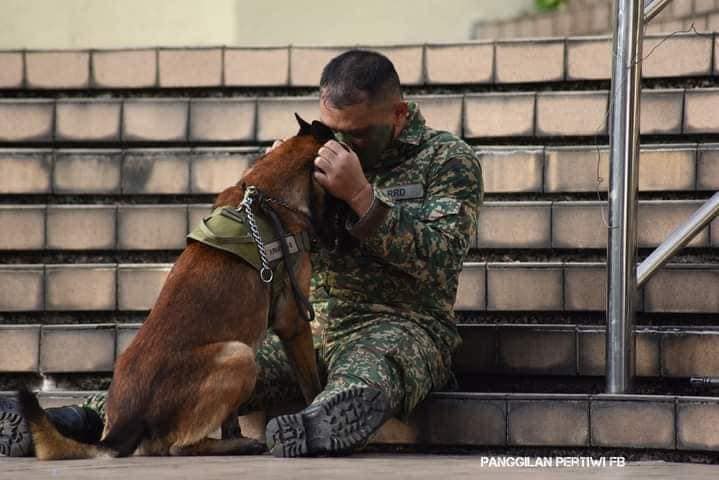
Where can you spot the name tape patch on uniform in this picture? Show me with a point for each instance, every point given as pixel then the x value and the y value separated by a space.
pixel 404 192
pixel 274 249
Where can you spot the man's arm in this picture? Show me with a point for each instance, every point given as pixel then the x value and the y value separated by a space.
pixel 435 241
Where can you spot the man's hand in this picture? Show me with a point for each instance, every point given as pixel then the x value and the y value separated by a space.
pixel 276 144
pixel 340 173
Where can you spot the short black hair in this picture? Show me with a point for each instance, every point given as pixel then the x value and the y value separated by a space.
pixel 356 76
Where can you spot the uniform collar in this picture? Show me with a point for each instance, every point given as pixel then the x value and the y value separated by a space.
pixel 414 128
pixel 410 136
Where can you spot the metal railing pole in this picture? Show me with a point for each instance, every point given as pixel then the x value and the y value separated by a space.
pixel 677 239
pixel 623 183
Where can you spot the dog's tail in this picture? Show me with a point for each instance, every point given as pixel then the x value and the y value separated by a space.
pixel 49 443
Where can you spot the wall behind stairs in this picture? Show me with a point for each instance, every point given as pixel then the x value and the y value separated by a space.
pixel 595 17
pixel 63 24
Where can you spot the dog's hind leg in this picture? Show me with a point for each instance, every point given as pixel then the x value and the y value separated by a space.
pixel 214 446
pixel 229 380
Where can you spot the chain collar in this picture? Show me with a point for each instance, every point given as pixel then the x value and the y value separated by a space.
pixel 252 195
pixel 266 274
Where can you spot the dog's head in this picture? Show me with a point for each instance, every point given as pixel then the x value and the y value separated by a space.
pixel 329 214
pixel 295 159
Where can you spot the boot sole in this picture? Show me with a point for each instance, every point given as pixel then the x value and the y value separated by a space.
pixel 334 426
pixel 15 437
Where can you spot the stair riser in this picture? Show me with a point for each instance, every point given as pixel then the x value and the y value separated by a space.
pixel 492 287
pixel 521 115
pixel 487 350
pixel 500 62
pixel 502 225
pixel 517 170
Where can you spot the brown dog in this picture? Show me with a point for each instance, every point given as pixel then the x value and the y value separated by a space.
pixel 192 364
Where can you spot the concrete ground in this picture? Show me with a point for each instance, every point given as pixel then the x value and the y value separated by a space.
pixel 360 466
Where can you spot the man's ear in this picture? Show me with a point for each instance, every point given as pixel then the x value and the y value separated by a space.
pixel 305 128
pixel 322 132
pixel 401 109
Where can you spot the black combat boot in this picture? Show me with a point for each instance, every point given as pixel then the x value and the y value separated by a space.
pixel 334 426
pixel 79 423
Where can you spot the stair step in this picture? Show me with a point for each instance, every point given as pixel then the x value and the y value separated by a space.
pixel 494 62
pixel 502 225
pixel 484 286
pixel 665 422
pixel 208 170
pixel 488 349
pixel 476 116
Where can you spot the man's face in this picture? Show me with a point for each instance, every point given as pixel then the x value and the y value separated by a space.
pixel 366 127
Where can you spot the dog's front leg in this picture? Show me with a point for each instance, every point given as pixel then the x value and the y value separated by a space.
pixel 301 353
pixel 231 427
pixel 296 336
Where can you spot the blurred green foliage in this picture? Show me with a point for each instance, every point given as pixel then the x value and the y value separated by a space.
pixel 545 5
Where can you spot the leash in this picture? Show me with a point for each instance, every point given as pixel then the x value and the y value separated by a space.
pixel 287 206
pixel 253 194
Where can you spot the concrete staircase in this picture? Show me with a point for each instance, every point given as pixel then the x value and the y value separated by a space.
pixel 108 158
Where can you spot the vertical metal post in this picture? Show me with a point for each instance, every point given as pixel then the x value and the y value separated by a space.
pixel 623 182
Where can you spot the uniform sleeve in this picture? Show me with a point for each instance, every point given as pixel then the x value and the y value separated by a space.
pixel 431 244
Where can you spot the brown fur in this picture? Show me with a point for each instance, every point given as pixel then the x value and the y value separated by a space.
pixel 192 364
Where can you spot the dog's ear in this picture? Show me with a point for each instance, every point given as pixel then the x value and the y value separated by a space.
pixel 322 132
pixel 305 127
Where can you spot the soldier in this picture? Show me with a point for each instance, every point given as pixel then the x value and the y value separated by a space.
pixel 385 328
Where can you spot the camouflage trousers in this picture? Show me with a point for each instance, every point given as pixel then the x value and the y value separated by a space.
pixel 393 354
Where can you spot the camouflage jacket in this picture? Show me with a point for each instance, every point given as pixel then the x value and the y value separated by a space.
pixel 428 189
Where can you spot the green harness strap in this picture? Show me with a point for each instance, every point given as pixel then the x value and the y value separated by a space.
pixel 227 228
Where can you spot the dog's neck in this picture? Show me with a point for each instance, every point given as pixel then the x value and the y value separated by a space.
pixel 285 175
pixel 289 202
pixel 296 197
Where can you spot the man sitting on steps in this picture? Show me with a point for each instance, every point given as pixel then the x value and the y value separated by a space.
pixel 385 329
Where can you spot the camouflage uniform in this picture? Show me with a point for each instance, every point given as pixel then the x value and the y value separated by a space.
pixel 384 312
